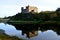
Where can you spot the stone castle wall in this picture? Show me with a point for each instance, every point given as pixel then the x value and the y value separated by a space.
pixel 35 9
pixel 29 9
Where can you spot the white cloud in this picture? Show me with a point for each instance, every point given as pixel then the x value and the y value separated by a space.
pixel 11 7
pixel 8 10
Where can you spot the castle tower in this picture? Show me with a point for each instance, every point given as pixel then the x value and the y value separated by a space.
pixel 22 8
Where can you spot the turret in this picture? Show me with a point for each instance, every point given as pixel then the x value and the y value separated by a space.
pixel 22 8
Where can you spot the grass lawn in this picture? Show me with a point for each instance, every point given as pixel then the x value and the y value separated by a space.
pixel 23 22
pixel 33 22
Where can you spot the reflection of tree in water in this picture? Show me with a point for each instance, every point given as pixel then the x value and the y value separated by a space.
pixel 54 27
pixel 31 30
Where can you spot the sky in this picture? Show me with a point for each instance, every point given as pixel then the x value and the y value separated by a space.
pixel 12 7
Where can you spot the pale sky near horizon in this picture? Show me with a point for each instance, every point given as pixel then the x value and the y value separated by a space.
pixel 12 7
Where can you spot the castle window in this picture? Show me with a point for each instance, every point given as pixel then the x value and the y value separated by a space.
pixel 32 11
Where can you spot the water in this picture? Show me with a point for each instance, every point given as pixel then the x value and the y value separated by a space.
pixel 39 35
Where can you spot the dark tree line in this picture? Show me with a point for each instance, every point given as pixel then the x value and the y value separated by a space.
pixel 44 16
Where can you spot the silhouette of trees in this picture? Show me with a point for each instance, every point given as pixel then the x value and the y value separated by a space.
pixel 43 15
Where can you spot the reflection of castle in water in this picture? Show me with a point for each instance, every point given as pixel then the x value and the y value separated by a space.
pixel 30 34
pixel 31 30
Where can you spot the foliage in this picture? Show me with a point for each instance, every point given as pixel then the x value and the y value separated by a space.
pixel 43 15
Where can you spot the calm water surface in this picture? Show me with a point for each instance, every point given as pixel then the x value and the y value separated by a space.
pixel 45 35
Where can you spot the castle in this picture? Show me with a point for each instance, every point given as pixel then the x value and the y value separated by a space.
pixel 29 9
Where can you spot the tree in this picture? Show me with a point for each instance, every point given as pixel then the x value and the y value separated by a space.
pixel 58 11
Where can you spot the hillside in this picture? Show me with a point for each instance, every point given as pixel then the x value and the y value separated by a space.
pixel 6 37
